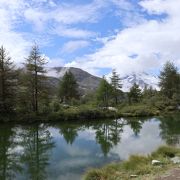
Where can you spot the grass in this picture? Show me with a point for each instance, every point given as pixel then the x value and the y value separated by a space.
pixel 85 112
pixel 139 110
pixel 136 165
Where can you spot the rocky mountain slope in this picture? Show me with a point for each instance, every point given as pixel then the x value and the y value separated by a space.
pixel 89 83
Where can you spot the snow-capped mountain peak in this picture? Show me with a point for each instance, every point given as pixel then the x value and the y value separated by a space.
pixel 142 79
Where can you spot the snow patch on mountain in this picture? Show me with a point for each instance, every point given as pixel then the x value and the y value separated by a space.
pixel 142 79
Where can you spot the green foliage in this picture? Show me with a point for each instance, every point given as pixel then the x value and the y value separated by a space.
pixel 68 88
pixel 34 83
pixel 7 82
pixel 169 80
pixel 135 94
pixel 166 151
pixel 104 93
pixel 25 91
pixel 138 110
pixel 116 86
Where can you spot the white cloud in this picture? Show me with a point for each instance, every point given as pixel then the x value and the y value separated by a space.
pixel 14 42
pixel 147 141
pixel 64 14
pixel 73 32
pixel 72 46
pixel 153 41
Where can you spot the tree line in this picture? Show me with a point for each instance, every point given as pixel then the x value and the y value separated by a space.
pixel 26 89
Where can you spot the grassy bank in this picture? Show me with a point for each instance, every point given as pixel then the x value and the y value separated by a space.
pixel 64 114
pixel 139 167
pixel 85 112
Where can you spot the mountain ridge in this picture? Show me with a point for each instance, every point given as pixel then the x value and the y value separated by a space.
pixel 89 83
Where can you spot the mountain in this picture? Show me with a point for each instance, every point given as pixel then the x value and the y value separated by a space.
pixel 142 79
pixel 87 82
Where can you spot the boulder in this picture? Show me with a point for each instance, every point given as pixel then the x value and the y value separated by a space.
pixel 176 160
pixel 133 176
pixel 156 162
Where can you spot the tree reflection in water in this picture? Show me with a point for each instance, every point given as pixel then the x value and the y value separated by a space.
pixel 25 151
pixel 69 131
pixel 108 132
pixel 37 143
pixel 9 154
pixel 170 129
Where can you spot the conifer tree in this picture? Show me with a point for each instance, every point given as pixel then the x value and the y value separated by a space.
pixel 68 88
pixel 135 94
pixel 7 81
pixel 116 85
pixel 35 76
pixel 169 80
pixel 104 92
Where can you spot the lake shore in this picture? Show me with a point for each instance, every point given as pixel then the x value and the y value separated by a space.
pixel 139 167
pixel 86 113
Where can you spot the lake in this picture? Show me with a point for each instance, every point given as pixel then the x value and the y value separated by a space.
pixel 64 151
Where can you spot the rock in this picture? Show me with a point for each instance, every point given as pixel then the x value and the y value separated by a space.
pixel 133 176
pixel 178 107
pixel 176 160
pixel 156 162
pixel 112 109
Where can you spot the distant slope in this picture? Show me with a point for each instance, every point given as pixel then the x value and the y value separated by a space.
pixel 87 82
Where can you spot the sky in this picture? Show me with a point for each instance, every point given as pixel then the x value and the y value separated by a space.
pixel 95 35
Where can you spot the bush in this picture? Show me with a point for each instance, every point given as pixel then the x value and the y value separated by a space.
pixel 137 110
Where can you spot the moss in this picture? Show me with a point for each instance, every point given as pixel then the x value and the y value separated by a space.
pixel 136 165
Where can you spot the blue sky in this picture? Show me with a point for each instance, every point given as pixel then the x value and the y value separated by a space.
pixel 95 35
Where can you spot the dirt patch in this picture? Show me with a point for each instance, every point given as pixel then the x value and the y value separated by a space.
pixel 170 175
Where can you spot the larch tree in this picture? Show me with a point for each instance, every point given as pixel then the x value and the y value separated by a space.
pixel 116 85
pixel 135 94
pixel 7 82
pixel 104 92
pixel 35 77
pixel 169 80
pixel 68 88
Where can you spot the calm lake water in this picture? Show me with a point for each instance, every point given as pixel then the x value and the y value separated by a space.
pixel 64 151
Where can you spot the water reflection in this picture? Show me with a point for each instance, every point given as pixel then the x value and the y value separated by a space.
pixel 66 150
pixel 170 130
pixel 108 134
pixel 36 143
pixel 9 156
pixel 69 132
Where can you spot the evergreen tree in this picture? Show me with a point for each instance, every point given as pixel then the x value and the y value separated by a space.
pixel 7 82
pixel 135 94
pixel 116 85
pixel 35 77
pixel 169 80
pixel 104 92
pixel 68 88
pixel 148 92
